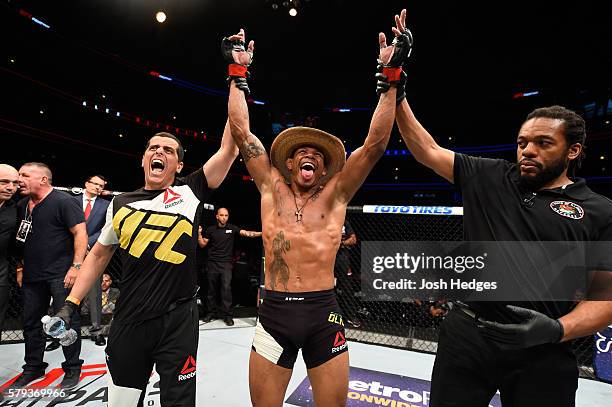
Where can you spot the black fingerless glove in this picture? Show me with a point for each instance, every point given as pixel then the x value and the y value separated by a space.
pixel 383 84
pixel 236 72
pixel 66 312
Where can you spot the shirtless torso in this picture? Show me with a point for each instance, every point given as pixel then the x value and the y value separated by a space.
pixel 301 233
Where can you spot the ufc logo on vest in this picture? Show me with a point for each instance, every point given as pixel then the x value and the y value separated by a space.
pixel 138 229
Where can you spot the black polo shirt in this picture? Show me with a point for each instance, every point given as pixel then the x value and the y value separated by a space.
pixel 48 250
pixel 8 227
pixel 221 242
pixel 496 208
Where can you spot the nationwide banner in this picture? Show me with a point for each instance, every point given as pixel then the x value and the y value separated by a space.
pixel 602 355
pixel 372 388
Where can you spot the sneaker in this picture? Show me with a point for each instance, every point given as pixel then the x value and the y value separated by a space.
pixel 27 378
pixel 207 318
pixel 71 379
pixel 229 321
pixel 53 345
pixel 99 340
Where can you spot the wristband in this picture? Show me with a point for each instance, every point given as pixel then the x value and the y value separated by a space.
pixel 392 74
pixel 73 300
pixel 237 70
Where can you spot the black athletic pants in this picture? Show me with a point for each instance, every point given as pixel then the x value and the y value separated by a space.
pixel 219 298
pixel 170 342
pixel 469 370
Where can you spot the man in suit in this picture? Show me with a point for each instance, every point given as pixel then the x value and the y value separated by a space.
pixel 95 216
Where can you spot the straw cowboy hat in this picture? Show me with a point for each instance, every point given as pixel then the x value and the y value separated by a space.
pixel 291 139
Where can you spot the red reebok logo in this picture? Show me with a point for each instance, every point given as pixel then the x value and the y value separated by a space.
pixel 170 196
pixel 340 340
pixel 339 343
pixel 189 366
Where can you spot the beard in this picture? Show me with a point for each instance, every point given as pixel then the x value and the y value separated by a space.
pixel 545 176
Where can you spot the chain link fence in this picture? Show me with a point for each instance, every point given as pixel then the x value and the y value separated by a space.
pixel 409 324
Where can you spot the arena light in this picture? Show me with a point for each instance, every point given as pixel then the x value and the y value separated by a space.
pixel 160 16
pixel 525 94
pixel 292 12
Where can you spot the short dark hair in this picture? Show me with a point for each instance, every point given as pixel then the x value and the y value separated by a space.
pixel 99 176
pixel 180 151
pixel 573 126
pixel 44 167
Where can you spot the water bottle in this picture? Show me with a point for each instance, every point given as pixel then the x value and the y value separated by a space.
pixel 56 328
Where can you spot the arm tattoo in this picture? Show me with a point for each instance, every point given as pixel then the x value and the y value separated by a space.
pixel 279 268
pixel 251 150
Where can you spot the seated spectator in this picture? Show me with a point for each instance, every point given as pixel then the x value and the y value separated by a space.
pixel 109 295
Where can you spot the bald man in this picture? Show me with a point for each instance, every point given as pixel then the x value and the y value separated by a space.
pixel 54 238
pixel 9 178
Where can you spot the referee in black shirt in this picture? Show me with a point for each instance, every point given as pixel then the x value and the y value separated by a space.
pixel 523 352
pixel 219 239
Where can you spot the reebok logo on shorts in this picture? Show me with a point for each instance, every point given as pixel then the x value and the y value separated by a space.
pixel 189 369
pixel 339 343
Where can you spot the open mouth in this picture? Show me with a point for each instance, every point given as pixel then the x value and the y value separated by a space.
pixel 157 166
pixel 307 170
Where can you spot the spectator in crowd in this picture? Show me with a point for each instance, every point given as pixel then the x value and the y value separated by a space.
pixel 94 209
pixel 54 238
pixel 219 239
pixel 345 280
pixel 9 183
pixel 109 295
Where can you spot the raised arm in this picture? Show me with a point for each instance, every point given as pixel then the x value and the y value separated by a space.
pixel 361 162
pixel 422 145
pixel 217 166
pixel 255 157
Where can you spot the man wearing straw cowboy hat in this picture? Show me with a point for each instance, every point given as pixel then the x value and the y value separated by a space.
pixel 305 187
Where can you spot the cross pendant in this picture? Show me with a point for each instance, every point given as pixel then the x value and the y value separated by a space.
pixel 298 216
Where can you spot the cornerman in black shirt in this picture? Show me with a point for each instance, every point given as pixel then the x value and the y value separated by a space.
pixel 53 235
pixel 219 239
pixel 156 317
pixel 523 352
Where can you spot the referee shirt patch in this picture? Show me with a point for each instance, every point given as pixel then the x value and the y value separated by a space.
pixel 567 209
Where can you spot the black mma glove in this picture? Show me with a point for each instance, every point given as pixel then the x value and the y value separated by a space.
pixel 403 49
pixel 66 312
pixel 236 72
pixel 534 329
pixel 383 84
pixel 392 73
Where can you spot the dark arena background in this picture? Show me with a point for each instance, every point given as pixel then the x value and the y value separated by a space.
pixel 85 84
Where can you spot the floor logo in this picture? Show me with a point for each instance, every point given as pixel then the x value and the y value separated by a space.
pixel 567 209
pixel 189 369
pixel 339 343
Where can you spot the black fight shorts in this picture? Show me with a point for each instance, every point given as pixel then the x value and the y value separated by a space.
pixel 310 321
